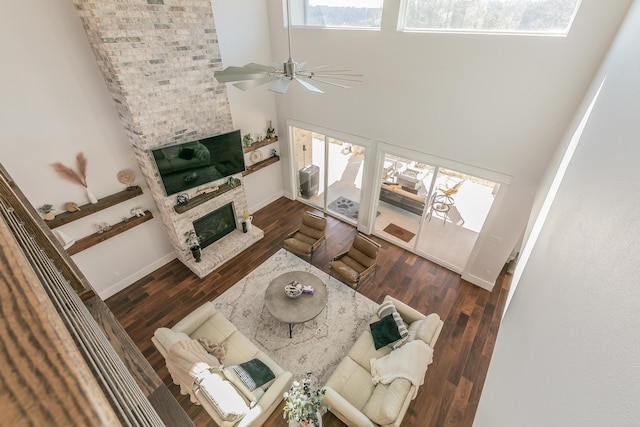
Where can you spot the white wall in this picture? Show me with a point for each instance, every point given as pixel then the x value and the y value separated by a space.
pixel 54 103
pixel 568 349
pixel 501 103
pixel 243 30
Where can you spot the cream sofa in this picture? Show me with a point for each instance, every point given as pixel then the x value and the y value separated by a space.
pixel 350 391
pixel 206 322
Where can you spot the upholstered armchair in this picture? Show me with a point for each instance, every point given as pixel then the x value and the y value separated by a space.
pixel 308 238
pixel 358 263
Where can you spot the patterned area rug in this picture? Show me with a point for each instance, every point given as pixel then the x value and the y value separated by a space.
pixel 318 345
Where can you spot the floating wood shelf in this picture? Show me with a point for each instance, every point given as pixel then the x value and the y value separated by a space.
pixel 204 197
pixel 259 144
pixel 261 164
pixel 95 238
pixel 91 208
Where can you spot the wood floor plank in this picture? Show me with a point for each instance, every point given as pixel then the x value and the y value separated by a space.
pixel 453 382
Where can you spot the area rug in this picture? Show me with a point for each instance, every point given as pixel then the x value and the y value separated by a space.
pixel 318 345
pixel 399 232
pixel 346 207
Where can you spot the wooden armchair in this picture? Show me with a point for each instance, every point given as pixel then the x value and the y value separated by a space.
pixel 357 264
pixel 308 238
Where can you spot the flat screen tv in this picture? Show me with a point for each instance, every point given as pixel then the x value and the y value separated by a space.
pixel 191 164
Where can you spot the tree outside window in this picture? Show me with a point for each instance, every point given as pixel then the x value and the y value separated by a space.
pixel 509 16
pixel 364 14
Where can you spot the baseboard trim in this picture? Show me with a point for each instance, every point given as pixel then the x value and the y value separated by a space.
pixel 484 284
pixel 129 280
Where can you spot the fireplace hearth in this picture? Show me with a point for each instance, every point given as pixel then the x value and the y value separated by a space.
pixel 215 225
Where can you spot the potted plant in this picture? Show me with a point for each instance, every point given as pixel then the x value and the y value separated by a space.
pixel 303 406
pixel 247 140
pixel 47 212
pixel 193 241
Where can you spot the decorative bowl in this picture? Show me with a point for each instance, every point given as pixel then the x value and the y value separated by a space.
pixel 293 289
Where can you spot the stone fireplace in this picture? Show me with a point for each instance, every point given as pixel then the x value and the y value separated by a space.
pixel 158 59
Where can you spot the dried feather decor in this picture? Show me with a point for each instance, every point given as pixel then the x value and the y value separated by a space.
pixel 69 174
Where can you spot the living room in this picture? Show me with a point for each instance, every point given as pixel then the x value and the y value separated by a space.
pixel 57 101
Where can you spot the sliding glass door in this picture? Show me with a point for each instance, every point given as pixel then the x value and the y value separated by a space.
pixel 434 211
pixel 433 207
pixel 457 210
pixel 404 191
pixel 329 172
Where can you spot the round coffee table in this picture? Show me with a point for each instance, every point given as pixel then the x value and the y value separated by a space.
pixel 295 310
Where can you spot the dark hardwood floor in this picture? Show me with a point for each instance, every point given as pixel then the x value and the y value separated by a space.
pixel 450 394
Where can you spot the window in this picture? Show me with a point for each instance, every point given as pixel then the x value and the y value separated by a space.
pixel 490 16
pixel 366 14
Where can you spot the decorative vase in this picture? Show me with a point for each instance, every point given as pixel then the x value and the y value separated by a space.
pixel 246 224
pixel 91 197
pixel 48 216
pixel 197 253
pixel 307 423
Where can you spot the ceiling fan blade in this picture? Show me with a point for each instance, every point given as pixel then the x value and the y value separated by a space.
pixel 280 86
pixel 249 84
pixel 344 77
pixel 316 68
pixel 308 85
pixel 331 83
pixel 345 72
pixel 260 67
pixel 234 74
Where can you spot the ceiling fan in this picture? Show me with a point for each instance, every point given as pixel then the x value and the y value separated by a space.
pixel 281 76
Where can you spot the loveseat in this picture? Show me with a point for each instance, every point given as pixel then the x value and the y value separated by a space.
pixel 352 393
pixel 217 388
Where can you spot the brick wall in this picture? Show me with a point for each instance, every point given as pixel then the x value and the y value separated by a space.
pixel 158 58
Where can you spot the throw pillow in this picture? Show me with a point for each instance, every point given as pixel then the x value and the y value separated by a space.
pixel 252 396
pixel 254 373
pixel 186 153
pixel 425 329
pixel 387 308
pixel 201 153
pixel 227 402
pixel 384 332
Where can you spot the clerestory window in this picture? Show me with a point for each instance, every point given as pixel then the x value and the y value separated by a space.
pixel 362 14
pixel 549 17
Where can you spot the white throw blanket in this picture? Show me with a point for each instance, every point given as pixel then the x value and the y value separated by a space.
pixel 187 361
pixel 409 362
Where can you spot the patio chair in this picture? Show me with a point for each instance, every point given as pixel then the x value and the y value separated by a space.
pixel 447 192
pixel 357 264
pixel 308 238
